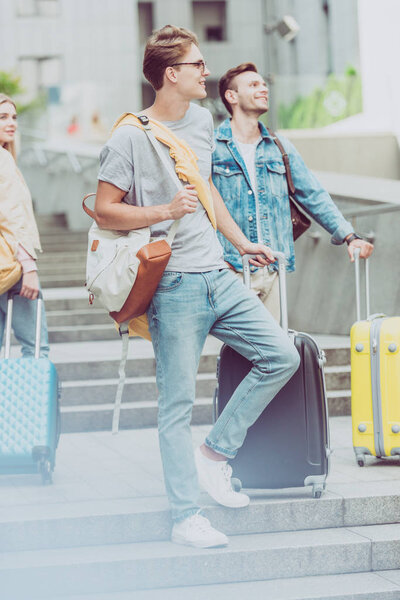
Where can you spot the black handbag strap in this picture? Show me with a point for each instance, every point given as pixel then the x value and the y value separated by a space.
pixel 286 162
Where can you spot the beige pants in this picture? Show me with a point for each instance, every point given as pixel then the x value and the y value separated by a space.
pixel 266 286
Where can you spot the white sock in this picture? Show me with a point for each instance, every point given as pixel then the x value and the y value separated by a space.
pixel 210 460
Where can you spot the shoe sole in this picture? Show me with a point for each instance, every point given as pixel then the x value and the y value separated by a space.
pixel 214 497
pixel 185 542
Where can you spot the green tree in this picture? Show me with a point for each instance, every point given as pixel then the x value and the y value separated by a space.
pixel 338 99
pixel 10 85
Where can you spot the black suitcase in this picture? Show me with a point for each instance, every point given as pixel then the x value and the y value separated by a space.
pixel 288 445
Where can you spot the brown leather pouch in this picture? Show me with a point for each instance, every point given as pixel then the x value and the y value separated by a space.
pixel 153 258
pixel 300 221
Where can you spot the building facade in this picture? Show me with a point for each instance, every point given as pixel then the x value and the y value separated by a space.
pixel 86 55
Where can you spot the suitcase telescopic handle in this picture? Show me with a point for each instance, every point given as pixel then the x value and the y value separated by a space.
pixel 10 300
pixel 282 282
pixel 358 284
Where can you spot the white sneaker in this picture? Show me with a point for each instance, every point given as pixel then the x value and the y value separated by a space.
pixel 215 478
pixel 197 531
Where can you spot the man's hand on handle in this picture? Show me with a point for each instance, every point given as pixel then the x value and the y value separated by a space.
pixel 264 254
pixel 366 249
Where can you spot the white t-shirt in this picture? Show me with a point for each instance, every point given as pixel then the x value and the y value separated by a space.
pixel 248 152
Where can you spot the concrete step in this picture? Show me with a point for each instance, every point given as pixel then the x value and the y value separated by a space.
pixel 108 369
pixel 48 223
pixel 60 281
pixel 61 244
pixel 66 269
pixel 382 585
pixel 144 388
pixel 151 565
pixel 66 298
pixel 134 415
pixel 339 403
pixel 50 524
pixel 142 383
pixel 91 332
pixel 78 416
pixel 72 256
pixel 337 377
pixel 70 304
pixel 63 235
pixel 83 316
pixel 77 333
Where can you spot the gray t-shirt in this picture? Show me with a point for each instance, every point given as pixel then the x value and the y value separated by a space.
pixel 129 162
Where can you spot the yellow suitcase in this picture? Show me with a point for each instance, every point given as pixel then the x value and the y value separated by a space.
pixel 375 382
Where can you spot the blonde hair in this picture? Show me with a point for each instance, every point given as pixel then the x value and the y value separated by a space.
pixel 10 146
pixel 165 47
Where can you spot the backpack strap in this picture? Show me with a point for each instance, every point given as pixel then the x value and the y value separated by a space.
pixel 286 162
pixel 124 333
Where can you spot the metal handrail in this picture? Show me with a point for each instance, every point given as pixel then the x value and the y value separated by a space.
pixel 371 210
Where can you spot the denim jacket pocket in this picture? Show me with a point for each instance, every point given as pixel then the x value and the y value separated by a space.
pixel 277 178
pixel 169 281
pixel 228 179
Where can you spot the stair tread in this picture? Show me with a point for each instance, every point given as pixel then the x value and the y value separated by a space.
pixel 248 543
pixel 365 586
pixel 337 369
pixel 124 406
pixel 112 381
pixel 265 501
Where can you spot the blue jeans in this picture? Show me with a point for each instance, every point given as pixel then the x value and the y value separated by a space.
pixel 185 309
pixel 24 323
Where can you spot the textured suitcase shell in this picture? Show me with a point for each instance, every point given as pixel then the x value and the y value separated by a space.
pixel 29 413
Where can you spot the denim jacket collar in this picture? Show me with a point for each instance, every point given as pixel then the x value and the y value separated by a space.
pixel 224 131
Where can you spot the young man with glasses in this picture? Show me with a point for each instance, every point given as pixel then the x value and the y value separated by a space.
pixel 198 294
pixel 249 173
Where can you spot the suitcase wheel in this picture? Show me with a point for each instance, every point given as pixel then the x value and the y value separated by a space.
pixel 361 461
pixel 317 490
pixel 45 471
pixel 236 484
pixel 42 456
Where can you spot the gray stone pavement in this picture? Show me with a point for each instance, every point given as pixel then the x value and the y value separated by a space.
pixel 127 467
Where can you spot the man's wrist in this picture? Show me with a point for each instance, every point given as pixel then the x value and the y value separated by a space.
pixel 350 238
pixel 241 245
pixel 165 212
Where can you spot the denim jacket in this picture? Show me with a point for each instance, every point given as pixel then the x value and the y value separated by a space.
pixel 231 178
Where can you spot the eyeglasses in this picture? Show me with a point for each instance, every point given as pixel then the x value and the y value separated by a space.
pixel 201 65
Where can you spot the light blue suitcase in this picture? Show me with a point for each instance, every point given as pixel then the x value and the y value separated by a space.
pixel 29 409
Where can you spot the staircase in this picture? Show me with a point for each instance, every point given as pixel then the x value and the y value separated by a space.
pixel 102 529
pixel 110 542
pixel 90 372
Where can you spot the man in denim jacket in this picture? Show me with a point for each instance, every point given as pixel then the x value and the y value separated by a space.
pixel 249 173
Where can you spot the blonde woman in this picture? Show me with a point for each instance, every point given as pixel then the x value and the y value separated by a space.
pixel 18 226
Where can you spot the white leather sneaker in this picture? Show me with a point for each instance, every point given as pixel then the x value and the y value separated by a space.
pixel 215 478
pixel 197 531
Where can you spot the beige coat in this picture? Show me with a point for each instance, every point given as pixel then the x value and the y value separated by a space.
pixel 17 221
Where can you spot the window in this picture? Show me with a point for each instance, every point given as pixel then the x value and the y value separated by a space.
pixel 209 20
pixel 40 75
pixel 38 8
pixel 145 13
